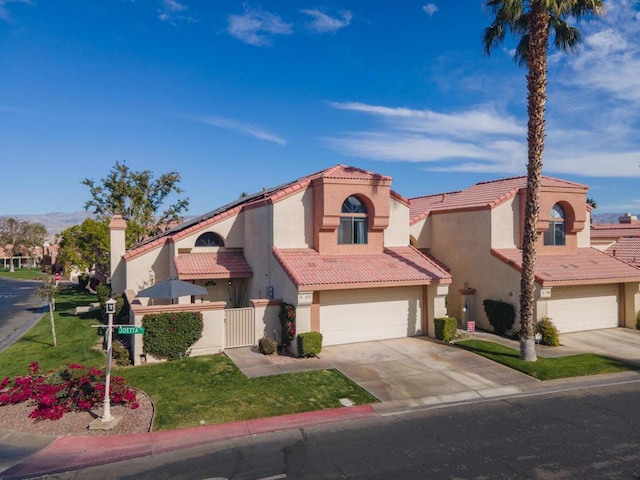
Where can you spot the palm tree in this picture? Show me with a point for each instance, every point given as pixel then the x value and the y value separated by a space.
pixel 531 21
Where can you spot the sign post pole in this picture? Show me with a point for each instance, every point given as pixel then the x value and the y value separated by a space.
pixel 107 421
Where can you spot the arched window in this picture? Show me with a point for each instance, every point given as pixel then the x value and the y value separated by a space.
pixel 353 222
pixel 209 239
pixel 555 234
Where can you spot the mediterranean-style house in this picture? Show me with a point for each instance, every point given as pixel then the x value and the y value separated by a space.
pixel 360 262
pixel 335 244
pixel 477 233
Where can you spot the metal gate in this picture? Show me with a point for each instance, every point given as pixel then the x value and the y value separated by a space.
pixel 239 327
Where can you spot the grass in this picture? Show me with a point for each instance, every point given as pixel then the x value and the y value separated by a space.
pixel 23 274
pixel 75 335
pixel 213 389
pixel 547 368
pixel 209 388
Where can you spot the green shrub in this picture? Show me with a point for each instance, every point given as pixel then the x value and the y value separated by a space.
pixel 170 335
pixel 120 353
pixel 549 332
pixel 501 315
pixel 267 345
pixel 104 293
pixel 309 344
pixel 446 328
pixel 513 334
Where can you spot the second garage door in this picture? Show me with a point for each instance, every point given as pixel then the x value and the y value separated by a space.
pixel 348 316
pixel 589 307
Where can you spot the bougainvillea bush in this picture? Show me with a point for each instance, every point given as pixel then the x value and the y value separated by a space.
pixel 288 321
pixel 68 389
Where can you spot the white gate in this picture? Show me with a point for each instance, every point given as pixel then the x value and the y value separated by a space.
pixel 239 327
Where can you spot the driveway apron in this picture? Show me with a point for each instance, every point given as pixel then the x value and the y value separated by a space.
pixel 419 370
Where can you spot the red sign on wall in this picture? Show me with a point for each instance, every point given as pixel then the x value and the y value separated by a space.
pixel 471 326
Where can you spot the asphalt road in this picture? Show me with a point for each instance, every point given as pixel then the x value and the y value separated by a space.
pixel 19 309
pixel 591 433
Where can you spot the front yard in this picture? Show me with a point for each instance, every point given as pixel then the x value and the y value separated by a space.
pixel 210 389
pixel 547 368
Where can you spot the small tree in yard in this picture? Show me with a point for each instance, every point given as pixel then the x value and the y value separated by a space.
pixel 48 292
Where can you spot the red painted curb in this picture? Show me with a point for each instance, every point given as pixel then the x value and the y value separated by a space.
pixel 75 453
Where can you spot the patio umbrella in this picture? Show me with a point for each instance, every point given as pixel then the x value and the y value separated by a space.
pixel 172 288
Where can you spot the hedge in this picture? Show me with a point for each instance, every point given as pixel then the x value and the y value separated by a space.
pixel 170 335
pixel 446 328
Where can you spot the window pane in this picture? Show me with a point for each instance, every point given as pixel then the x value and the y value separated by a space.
pixel 549 235
pixel 345 231
pixel 353 205
pixel 360 230
pixel 559 233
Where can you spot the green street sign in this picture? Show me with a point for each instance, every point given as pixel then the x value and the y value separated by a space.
pixel 130 330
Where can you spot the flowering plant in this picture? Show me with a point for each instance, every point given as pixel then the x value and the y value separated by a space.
pixel 288 322
pixel 71 388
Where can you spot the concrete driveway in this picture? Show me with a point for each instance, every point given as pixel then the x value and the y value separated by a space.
pixel 619 343
pixel 421 371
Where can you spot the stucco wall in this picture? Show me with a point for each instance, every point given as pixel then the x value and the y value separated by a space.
pixel 231 230
pixel 463 244
pixel 584 235
pixel 293 221
pixel 257 250
pixel 156 263
pixel 397 233
pixel 505 224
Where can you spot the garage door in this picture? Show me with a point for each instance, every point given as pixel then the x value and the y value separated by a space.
pixel 370 314
pixel 573 309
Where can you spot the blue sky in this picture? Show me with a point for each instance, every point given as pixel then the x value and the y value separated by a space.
pixel 237 96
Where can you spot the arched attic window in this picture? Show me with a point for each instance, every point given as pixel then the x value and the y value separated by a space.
pixel 353 222
pixel 555 235
pixel 209 239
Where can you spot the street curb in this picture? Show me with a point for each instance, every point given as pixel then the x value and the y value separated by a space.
pixel 75 453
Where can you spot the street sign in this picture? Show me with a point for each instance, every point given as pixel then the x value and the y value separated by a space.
pixel 130 330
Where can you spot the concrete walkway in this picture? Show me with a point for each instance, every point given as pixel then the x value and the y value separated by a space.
pixel 405 374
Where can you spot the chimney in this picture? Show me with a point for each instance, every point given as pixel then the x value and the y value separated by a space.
pixel 628 218
pixel 117 228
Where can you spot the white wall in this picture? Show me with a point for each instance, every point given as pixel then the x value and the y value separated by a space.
pixel 397 233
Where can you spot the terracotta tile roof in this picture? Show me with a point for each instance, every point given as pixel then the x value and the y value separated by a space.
pixel 480 195
pixel 398 266
pixel 615 230
pixel 626 249
pixel 587 266
pixel 212 265
pixel 272 195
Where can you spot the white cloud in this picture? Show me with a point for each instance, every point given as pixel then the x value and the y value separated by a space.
pixel 241 127
pixel 430 9
pixel 4 9
pixel 478 139
pixel 257 27
pixel 323 23
pixel 173 11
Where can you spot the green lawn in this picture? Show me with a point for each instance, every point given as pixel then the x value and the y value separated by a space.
pixel 23 274
pixel 209 388
pixel 547 368
pixel 76 339
pixel 213 389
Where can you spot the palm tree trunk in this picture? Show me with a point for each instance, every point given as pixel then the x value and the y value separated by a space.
pixel 537 98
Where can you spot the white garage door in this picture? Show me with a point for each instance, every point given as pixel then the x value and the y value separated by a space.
pixel 370 314
pixel 573 309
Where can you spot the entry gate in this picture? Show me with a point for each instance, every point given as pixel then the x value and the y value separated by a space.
pixel 239 327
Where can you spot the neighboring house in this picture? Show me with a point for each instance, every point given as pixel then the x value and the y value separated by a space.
pixel 477 233
pixel 335 244
pixel 620 240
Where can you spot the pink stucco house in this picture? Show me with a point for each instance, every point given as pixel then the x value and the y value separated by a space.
pixel 335 244
pixel 477 233
pixel 360 262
